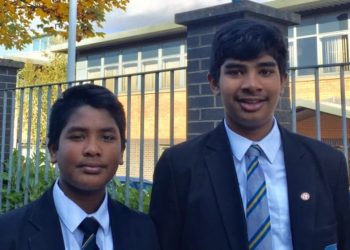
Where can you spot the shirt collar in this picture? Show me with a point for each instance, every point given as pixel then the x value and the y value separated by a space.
pixel 72 215
pixel 270 144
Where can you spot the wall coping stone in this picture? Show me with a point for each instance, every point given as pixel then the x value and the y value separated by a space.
pixel 229 9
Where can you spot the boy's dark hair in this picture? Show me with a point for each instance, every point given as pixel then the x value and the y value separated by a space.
pixel 244 40
pixel 73 98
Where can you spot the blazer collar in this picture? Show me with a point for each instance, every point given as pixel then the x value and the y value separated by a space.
pixel 219 161
pixel 300 172
pixel 45 224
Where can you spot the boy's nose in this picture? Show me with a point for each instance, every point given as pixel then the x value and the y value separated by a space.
pixel 92 148
pixel 252 82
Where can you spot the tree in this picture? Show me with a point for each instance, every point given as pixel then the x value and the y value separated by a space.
pixel 18 18
pixel 32 75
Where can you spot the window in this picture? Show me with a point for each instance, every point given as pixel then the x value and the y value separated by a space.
pixel 306 27
pixel 172 48
pixel 150 79
pixel 129 69
pixel 306 54
pixel 334 50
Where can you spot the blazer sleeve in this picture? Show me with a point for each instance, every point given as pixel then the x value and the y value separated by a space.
pixel 342 206
pixel 164 206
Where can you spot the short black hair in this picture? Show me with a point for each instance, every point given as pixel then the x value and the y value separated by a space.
pixel 73 98
pixel 245 39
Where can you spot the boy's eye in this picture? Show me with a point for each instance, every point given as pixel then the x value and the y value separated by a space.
pixel 76 137
pixel 108 138
pixel 234 72
pixel 266 72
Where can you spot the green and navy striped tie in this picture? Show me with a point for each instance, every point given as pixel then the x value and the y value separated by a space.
pixel 257 210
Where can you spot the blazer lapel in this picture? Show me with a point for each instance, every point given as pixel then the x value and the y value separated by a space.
pixel 300 173
pixel 219 161
pixel 45 223
pixel 118 220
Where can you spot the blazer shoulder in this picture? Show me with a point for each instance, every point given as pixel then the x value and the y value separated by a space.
pixel 130 215
pixel 318 147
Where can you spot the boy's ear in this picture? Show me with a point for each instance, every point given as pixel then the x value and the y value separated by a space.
pixel 53 150
pixel 120 160
pixel 284 82
pixel 214 85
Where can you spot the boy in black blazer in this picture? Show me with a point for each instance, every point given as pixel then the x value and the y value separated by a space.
pixel 86 139
pixel 200 197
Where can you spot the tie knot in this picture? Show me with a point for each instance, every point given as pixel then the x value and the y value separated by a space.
pixel 89 226
pixel 254 150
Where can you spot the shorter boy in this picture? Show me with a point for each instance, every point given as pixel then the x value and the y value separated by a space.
pixel 86 139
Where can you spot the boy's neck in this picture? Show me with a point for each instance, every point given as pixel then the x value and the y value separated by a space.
pixel 89 201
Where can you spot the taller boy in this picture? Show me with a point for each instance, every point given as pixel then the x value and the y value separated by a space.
pixel 86 139
pixel 210 193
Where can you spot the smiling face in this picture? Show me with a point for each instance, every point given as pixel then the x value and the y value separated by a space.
pixel 250 92
pixel 89 151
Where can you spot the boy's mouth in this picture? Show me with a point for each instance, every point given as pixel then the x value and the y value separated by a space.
pixel 251 104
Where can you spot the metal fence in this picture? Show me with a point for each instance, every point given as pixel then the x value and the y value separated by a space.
pixel 146 97
pixel 149 100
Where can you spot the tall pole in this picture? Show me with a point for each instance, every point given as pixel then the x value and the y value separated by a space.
pixel 72 31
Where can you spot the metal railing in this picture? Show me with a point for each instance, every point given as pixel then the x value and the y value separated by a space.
pixel 25 158
pixel 151 100
pixel 331 95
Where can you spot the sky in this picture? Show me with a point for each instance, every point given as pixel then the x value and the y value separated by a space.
pixel 141 13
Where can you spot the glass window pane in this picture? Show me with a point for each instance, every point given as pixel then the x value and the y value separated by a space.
pixel 334 22
pixel 172 48
pixel 307 54
pixel 150 78
pixel 94 60
pixel 129 55
pixel 334 50
pixel 110 72
pixel 166 76
pixel 129 69
pixel 150 52
pixel 306 27
pixel 111 58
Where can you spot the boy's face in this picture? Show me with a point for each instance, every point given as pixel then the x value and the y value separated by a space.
pixel 89 151
pixel 250 92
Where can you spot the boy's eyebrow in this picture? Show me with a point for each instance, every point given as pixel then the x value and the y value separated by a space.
pixel 240 65
pixel 82 129
pixel 267 64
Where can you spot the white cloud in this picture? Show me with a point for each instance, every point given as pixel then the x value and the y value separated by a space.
pixel 148 12
pixel 141 13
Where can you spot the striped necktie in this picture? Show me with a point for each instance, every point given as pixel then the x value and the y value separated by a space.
pixel 257 211
pixel 89 227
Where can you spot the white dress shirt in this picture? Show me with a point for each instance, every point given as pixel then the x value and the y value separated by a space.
pixel 275 176
pixel 71 215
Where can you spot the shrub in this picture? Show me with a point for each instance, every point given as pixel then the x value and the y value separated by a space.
pixel 23 185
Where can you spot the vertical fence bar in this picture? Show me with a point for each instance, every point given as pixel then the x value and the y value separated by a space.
pixel 19 141
pixel 172 101
pixel 156 116
pixel 116 90
pixel 128 146
pixel 10 165
pixel 48 106
pixel 293 99
pixel 142 140
pixel 317 104
pixel 28 160
pixel 37 144
pixel 343 113
pixel 3 141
